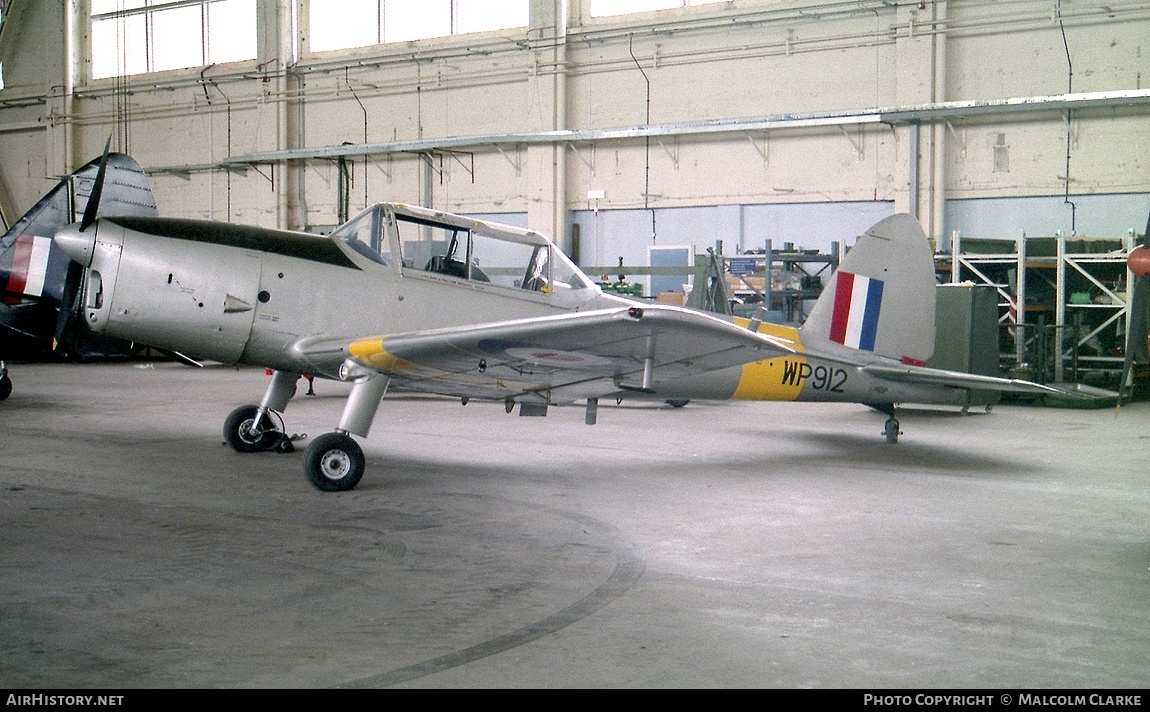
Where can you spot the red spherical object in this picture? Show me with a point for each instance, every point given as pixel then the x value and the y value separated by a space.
pixel 1139 261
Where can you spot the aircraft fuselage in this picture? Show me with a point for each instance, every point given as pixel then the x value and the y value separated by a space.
pixel 249 295
pixel 803 377
pixel 422 300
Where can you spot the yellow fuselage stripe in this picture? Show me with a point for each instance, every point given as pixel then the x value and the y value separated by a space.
pixel 766 380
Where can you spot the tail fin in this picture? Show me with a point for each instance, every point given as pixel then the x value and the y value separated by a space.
pixel 881 298
pixel 35 276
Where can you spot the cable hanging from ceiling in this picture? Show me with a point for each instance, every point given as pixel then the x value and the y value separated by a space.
pixel 647 142
pixel 1069 125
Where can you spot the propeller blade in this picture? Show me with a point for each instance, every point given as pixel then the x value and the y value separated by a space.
pixel 70 308
pixel 93 205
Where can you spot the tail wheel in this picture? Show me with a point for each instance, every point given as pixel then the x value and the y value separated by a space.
pixel 891 431
pixel 243 434
pixel 334 463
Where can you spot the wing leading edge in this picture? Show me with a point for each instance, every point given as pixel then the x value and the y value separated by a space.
pixel 556 359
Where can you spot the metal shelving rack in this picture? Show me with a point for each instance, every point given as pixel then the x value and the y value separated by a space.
pixel 712 292
pixel 1104 273
pixel 789 258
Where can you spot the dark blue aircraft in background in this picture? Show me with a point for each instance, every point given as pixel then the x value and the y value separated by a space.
pixel 37 279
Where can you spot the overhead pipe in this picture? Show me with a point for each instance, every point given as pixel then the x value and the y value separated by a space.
pixel 885 115
pixel 938 177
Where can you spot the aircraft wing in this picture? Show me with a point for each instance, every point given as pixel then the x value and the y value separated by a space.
pixel 958 379
pixel 560 358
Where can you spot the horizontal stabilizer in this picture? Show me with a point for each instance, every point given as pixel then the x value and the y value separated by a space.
pixel 958 379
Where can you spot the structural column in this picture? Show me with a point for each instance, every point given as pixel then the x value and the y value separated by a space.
pixel 547 163
pixel 61 126
pixel 921 79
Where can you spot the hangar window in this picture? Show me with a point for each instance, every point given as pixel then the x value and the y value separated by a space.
pixel 340 24
pixel 601 8
pixel 138 36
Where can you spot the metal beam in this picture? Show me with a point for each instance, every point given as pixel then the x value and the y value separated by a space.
pixel 886 115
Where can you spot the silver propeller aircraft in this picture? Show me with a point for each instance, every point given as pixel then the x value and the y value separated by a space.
pixel 423 300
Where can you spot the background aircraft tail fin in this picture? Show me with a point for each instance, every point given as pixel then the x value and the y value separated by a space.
pixel 36 278
pixel 1137 345
pixel 881 298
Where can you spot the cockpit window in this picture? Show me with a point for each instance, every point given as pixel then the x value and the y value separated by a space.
pixel 563 273
pixel 364 233
pixel 441 249
pixel 474 255
pixel 504 263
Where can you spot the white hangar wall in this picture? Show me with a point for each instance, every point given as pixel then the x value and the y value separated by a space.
pixel 983 174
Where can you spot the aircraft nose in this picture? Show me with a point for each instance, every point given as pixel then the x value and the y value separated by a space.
pixel 77 244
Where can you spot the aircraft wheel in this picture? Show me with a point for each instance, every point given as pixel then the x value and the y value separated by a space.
pixel 5 387
pixel 678 402
pixel 890 430
pixel 334 462
pixel 238 431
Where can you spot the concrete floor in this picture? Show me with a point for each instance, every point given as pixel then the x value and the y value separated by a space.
pixel 721 545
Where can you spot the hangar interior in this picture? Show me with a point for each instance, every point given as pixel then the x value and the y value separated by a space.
pixel 1017 132
pixel 798 123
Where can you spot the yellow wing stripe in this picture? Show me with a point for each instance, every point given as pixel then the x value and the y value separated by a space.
pixel 372 353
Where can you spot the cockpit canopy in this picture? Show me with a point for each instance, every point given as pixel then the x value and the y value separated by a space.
pixel 429 241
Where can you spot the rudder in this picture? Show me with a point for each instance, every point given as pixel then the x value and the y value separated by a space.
pixel 881 298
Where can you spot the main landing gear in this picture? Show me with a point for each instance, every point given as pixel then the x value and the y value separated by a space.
pixel 334 462
pixel 248 430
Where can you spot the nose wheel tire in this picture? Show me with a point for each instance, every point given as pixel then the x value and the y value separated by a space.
pixel 334 462
pixel 5 387
pixel 243 435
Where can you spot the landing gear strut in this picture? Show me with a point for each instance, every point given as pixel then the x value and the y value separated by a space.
pixel 334 462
